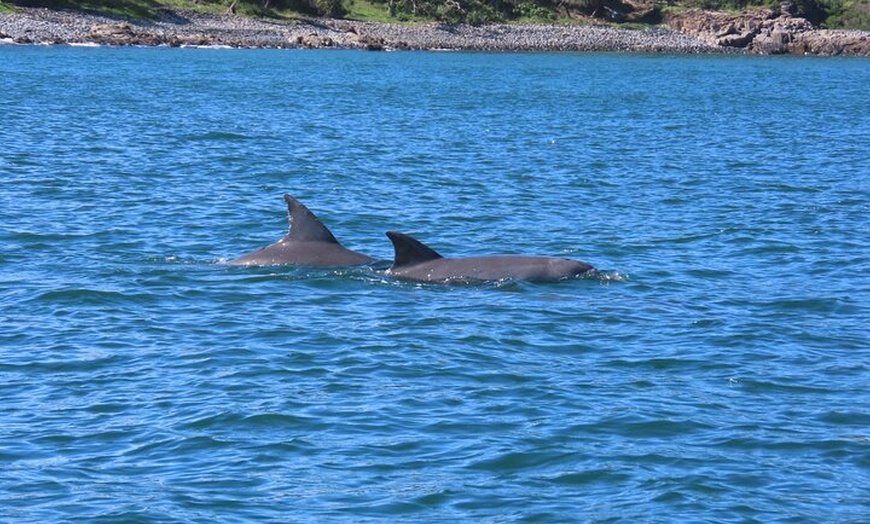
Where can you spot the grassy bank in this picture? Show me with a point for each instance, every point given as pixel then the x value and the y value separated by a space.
pixel 845 14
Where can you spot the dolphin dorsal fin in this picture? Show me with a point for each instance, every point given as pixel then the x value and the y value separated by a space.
pixel 304 225
pixel 410 251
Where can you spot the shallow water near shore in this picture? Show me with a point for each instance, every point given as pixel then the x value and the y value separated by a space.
pixel 719 373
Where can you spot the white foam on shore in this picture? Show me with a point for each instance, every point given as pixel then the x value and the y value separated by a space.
pixel 7 41
pixel 214 46
pixel 84 44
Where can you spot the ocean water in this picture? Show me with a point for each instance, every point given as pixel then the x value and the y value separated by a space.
pixel 716 372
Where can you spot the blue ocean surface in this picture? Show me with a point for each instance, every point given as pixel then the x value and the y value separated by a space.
pixel 716 371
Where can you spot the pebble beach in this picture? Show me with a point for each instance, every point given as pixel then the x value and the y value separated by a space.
pixel 175 28
pixel 764 31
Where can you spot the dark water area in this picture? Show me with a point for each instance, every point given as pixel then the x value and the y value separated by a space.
pixel 717 372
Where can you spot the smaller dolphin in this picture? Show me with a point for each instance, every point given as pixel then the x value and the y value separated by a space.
pixel 308 243
pixel 418 262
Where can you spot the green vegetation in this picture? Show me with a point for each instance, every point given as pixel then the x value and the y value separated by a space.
pixel 849 14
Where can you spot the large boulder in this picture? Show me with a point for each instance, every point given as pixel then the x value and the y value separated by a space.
pixel 769 31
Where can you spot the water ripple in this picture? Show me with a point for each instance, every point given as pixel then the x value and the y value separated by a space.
pixel 717 365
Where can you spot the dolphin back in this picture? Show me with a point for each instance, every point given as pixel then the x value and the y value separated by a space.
pixel 308 243
pixel 417 261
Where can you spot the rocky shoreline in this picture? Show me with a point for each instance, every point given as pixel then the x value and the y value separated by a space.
pixel 701 32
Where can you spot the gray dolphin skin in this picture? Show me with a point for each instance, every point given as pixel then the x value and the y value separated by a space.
pixel 418 262
pixel 308 243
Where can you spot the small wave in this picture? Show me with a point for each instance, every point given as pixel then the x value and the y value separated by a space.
pixel 178 260
pixel 81 296
pixel 606 277
pixel 219 135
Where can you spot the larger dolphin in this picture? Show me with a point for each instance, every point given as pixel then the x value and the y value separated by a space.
pixel 308 243
pixel 418 262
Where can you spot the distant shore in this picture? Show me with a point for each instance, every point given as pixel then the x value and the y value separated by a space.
pixel 187 29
